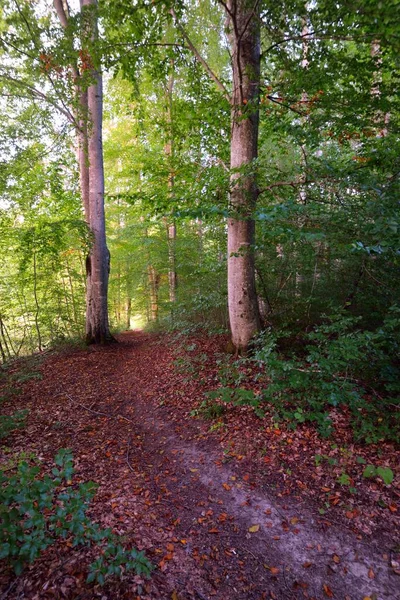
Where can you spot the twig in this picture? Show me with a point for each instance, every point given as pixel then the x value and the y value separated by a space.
pixel 97 412
pixel 8 590
pixel 128 449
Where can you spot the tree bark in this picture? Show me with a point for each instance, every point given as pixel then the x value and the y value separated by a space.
pixel 98 261
pixel 91 175
pixel 245 50
pixel 171 226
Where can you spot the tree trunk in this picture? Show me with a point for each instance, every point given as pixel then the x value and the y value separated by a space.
pixel 245 50
pixel 171 227
pixel 89 116
pixel 153 291
pixel 98 261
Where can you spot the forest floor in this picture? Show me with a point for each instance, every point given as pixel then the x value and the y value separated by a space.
pixel 231 508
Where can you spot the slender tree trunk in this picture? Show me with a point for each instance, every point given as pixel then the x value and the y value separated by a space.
pixel 245 50
pixel 171 227
pixel 39 336
pixel 153 279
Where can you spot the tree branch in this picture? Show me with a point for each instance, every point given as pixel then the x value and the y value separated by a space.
pixel 38 94
pixel 60 10
pixel 199 58
pixel 292 184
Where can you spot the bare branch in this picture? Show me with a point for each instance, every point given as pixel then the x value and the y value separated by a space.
pixel 278 101
pixel 292 184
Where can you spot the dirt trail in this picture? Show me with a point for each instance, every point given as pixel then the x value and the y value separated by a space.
pixel 165 486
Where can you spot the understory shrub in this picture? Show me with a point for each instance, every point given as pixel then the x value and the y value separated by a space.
pixel 342 366
pixel 36 509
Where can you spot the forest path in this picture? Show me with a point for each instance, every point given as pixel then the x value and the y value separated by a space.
pixel 167 487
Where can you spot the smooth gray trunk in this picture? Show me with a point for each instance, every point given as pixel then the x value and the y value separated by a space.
pixel 88 119
pixel 98 261
pixel 245 49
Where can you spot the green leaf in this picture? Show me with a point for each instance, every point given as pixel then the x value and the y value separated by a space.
pixel 344 479
pixel 369 471
pixel 386 474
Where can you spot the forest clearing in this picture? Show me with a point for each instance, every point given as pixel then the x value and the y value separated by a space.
pixel 199 299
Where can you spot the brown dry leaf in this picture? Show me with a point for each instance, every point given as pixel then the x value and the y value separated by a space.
pixel 327 590
pixel 371 574
pixel 213 530
pixel 174 595
pixel 306 565
pixel 336 559
pixel 254 528
pixel 226 486
pixel 170 547
pixel 274 570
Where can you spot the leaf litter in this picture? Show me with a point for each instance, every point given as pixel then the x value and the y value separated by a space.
pixel 246 510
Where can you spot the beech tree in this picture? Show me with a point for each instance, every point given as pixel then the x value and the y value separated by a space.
pixel 89 115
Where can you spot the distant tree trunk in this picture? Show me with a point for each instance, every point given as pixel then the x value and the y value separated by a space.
pixel 128 312
pixel 244 34
pixel 91 176
pixel 154 284
pixel 171 227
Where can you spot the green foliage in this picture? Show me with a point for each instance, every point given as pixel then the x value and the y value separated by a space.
pixel 9 423
pixel 338 367
pixel 385 473
pixel 36 509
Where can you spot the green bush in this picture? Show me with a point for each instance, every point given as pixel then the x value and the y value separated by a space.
pixel 343 366
pixel 36 509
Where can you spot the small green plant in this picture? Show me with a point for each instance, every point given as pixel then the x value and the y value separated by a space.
pixel 9 423
pixel 36 509
pixel 209 409
pixel 238 397
pixel 385 473
pixel 344 479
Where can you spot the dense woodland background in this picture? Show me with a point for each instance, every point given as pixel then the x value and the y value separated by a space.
pixel 326 246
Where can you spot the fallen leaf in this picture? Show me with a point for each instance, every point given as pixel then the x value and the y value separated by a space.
pixel 328 591
pixel 174 595
pixel 336 559
pixel 274 570
pixel 254 528
pixel 226 486
pixel 371 574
